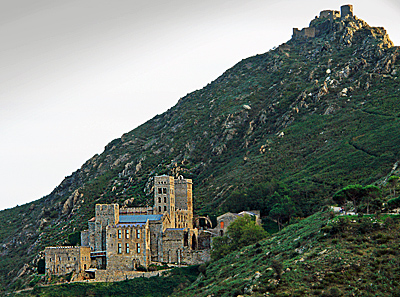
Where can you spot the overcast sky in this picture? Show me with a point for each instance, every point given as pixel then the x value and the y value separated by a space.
pixel 76 74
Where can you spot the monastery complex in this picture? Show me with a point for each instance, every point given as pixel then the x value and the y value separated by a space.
pixel 131 239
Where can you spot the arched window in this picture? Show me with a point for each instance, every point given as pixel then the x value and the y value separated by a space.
pixel 165 199
pixel 165 208
pixel 159 209
pixel 159 199
pixel 222 225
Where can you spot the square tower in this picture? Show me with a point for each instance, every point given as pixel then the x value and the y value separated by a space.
pixel 183 193
pixel 164 196
pixel 106 214
pixel 346 10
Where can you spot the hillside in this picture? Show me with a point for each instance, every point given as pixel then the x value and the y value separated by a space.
pixel 319 256
pixel 303 120
pixel 322 255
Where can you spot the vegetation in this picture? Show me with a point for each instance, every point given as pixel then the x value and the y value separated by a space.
pixel 321 255
pixel 241 232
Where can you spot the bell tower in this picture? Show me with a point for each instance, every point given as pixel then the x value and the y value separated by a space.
pixel 164 196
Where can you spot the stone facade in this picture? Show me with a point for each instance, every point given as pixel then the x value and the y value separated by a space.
pixel 119 240
pixel 66 259
pixel 128 246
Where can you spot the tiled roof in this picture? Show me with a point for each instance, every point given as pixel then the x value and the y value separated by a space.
pixel 138 218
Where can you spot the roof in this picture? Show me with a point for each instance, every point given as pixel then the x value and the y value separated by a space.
pixel 247 212
pixel 129 224
pixel 174 229
pixel 138 218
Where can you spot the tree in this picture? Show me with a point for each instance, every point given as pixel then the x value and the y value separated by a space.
pixel 283 210
pixel 353 193
pixel 241 232
pixel 393 181
pixel 372 198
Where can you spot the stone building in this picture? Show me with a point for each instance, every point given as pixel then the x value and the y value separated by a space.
pixel 123 239
pixel 65 259
pixel 223 221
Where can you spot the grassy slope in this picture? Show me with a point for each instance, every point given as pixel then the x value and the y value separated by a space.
pixel 354 257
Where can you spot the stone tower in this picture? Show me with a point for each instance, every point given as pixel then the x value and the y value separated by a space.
pixel 106 214
pixel 183 197
pixel 346 10
pixel 164 196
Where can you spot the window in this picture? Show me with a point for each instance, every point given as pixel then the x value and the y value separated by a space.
pixel 119 234
pixel 127 234
pixel 138 248
pixel 165 208
pixel 165 199
pixel 119 248
pixel 138 233
pixel 159 191
pixel 222 225
pixel 127 248
pixel 159 199
pixel 164 190
pixel 159 209
pixel 74 259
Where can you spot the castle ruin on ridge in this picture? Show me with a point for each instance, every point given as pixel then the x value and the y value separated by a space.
pixel 312 32
pixel 125 239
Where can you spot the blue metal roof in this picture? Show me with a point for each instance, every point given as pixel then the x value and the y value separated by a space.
pixel 138 218
pixel 129 224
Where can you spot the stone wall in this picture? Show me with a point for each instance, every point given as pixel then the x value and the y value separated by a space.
pixel 191 257
pixel 117 276
pixel 66 259
pixel 128 246
pixel 136 211
pixel 308 32
pixel 156 230
pixel 85 238
pixel 329 14
pixel 106 214
pixel 174 240
pixel 223 221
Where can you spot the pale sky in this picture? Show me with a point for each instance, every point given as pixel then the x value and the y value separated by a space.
pixel 76 74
